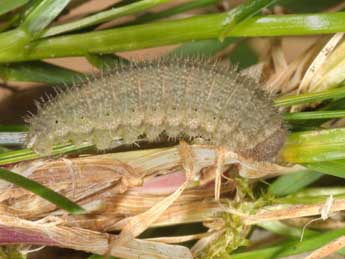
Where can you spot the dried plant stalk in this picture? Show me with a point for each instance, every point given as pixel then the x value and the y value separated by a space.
pixel 328 249
pixel 14 230
pixel 125 191
pixel 290 211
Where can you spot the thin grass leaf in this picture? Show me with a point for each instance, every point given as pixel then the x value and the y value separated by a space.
pixel 280 228
pixel 292 183
pixel 38 17
pixel 292 247
pixel 43 13
pixel 335 168
pixel 315 146
pixel 42 191
pixel 185 7
pixel 204 47
pixel 105 61
pixel 338 104
pixel 242 13
pixel 243 56
pixel 314 115
pixel 104 16
pixel 28 154
pixel 313 195
pixel 9 5
pixel 320 191
pixel 12 128
pixel 169 32
pixel 310 97
pixel 39 71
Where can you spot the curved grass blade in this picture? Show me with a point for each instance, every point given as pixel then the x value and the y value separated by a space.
pixel 28 154
pixel 335 168
pixel 204 47
pixel 243 55
pixel 314 115
pixel 149 17
pixel 9 5
pixel 13 128
pixel 315 146
pixel 105 61
pixel 292 183
pixel 38 17
pixel 42 15
pixel 39 71
pixel 242 13
pixel 42 191
pixel 313 195
pixel 104 16
pixel 291 247
pixel 310 97
pixel 280 228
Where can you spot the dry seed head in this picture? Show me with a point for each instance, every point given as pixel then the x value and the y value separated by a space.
pixel 179 96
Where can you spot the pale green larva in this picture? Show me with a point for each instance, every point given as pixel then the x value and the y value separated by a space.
pixel 179 96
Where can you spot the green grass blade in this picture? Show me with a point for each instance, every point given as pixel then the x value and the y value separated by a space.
pixel 171 32
pixel 9 5
pixel 310 97
pixel 243 55
pixel 149 17
pixel 242 13
pixel 12 128
pixel 315 146
pixel 294 182
pixel 292 247
pixel 105 61
pixel 320 192
pixel 42 191
pixel 280 228
pixel 313 195
pixel 28 154
pixel 203 47
pixel 314 115
pixel 104 16
pixel 42 15
pixel 39 71
pixel 335 168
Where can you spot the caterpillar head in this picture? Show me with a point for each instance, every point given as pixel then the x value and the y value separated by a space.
pixel 43 132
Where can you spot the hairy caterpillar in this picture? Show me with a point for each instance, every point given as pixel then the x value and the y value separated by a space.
pixel 178 96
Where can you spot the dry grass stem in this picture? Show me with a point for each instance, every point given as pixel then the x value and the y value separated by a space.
pixel 328 249
pixel 312 74
pixel 291 211
pixel 80 239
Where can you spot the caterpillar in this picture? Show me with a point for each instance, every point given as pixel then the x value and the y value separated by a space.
pixel 176 96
